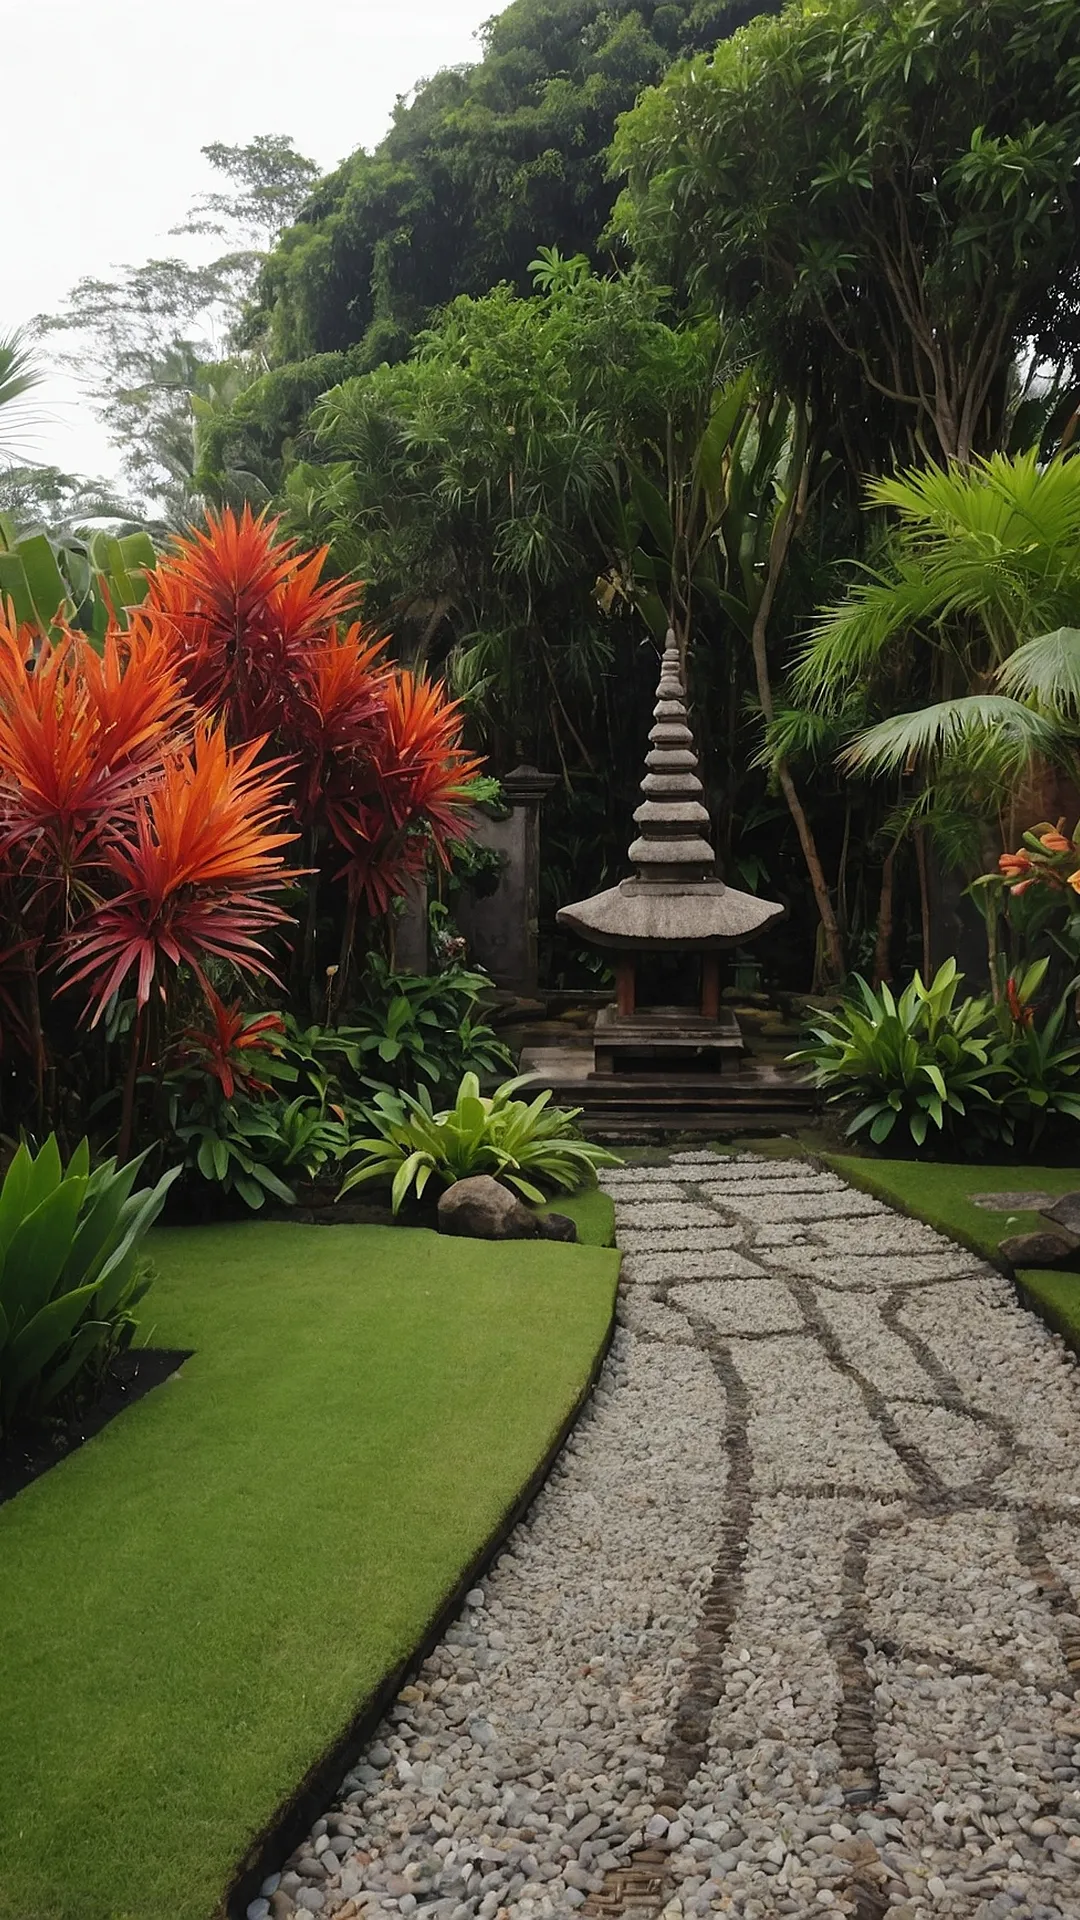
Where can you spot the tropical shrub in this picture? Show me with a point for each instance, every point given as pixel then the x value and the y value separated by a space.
pixel 975 1071
pixel 380 780
pixel 71 1271
pixel 1031 904
pixel 1040 1068
pixel 519 1142
pixel 423 1028
pixel 153 784
pixel 87 583
pixel 232 1145
pixel 922 1060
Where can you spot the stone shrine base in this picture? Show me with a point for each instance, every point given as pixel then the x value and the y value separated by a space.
pixel 660 1039
pixel 680 1073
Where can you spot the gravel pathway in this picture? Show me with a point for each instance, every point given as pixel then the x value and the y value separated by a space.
pixel 793 1628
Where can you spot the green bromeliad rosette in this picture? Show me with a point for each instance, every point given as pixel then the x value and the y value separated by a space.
pixel 520 1142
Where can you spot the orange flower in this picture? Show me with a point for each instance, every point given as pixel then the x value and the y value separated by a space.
pixel 1055 842
pixel 1014 864
pixel 1020 1011
pixel 1073 881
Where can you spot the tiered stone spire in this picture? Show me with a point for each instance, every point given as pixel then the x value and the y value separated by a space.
pixel 672 843
pixel 674 899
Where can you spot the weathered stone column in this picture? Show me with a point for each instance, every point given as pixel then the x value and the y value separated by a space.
pixel 411 928
pixel 503 929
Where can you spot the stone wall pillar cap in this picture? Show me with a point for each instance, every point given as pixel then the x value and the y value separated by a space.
pixel 526 782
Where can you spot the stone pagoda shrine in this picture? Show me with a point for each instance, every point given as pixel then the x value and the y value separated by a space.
pixel 674 904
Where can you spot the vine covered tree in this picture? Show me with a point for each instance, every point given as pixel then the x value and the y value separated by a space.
pixel 481 164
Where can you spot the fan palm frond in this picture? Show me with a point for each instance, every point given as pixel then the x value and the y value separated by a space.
pixel 980 557
pixel 1046 669
pixel 985 728
pixel 19 375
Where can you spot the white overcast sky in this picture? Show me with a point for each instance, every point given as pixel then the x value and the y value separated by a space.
pixel 107 103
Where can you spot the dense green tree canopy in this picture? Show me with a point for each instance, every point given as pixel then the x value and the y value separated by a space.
pixel 482 164
pixel 890 192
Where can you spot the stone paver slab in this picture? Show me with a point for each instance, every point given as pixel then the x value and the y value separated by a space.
pixel 674 1239
pixel 1028 1200
pixel 826 1204
pixel 718 1263
pixel 871 1270
pixel 634 1215
pixel 809 1425
pixel 881 1356
pixel 958 1448
pixel 741 1306
pixel 891 1234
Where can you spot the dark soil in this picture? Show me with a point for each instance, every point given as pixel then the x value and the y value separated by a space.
pixel 28 1453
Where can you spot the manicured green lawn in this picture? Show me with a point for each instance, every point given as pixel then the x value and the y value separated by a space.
pixel 194 1605
pixel 593 1213
pixel 940 1193
pixel 1056 1296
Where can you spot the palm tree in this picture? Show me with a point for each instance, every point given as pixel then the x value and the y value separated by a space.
pixel 19 375
pixel 982 559
pixel 979 560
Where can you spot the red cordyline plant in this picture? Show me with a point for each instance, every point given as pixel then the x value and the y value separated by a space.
pixel 338 716
pixel 241 609
pixel 236 1049
pixel 377 752
pixel 82 736
pixel 196 867
pixel 150 787
pixel 414 794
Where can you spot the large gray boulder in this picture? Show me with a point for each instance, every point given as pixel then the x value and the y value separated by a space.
pixel 482 1209
pixel 556 1226
pixel 1066 1212
pixel 1046 1247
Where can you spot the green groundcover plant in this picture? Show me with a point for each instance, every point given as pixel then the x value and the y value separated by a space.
pixel 71 1271
pixel 520 1142
pixel 927 1060
pixel 256 1103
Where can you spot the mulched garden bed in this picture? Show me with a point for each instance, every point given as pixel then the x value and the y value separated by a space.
pixel 27 1454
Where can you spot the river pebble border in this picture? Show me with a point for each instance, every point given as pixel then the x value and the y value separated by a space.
pixel 792 1628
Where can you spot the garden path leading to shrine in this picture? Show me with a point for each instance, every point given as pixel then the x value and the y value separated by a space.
pixel 793 1627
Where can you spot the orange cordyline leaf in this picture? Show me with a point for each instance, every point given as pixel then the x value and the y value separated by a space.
pixel 339 715
pixel 422 766
pixel 81 735
pixel 414 793
pixel 201 856
pixel 239 607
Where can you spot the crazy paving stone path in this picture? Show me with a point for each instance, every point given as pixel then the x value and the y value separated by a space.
pixel 792 1629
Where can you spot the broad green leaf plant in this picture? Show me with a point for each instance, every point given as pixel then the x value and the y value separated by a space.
pixel 918 1061
pixel 529 1145
pixel 71 1271
pixel 932 1066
